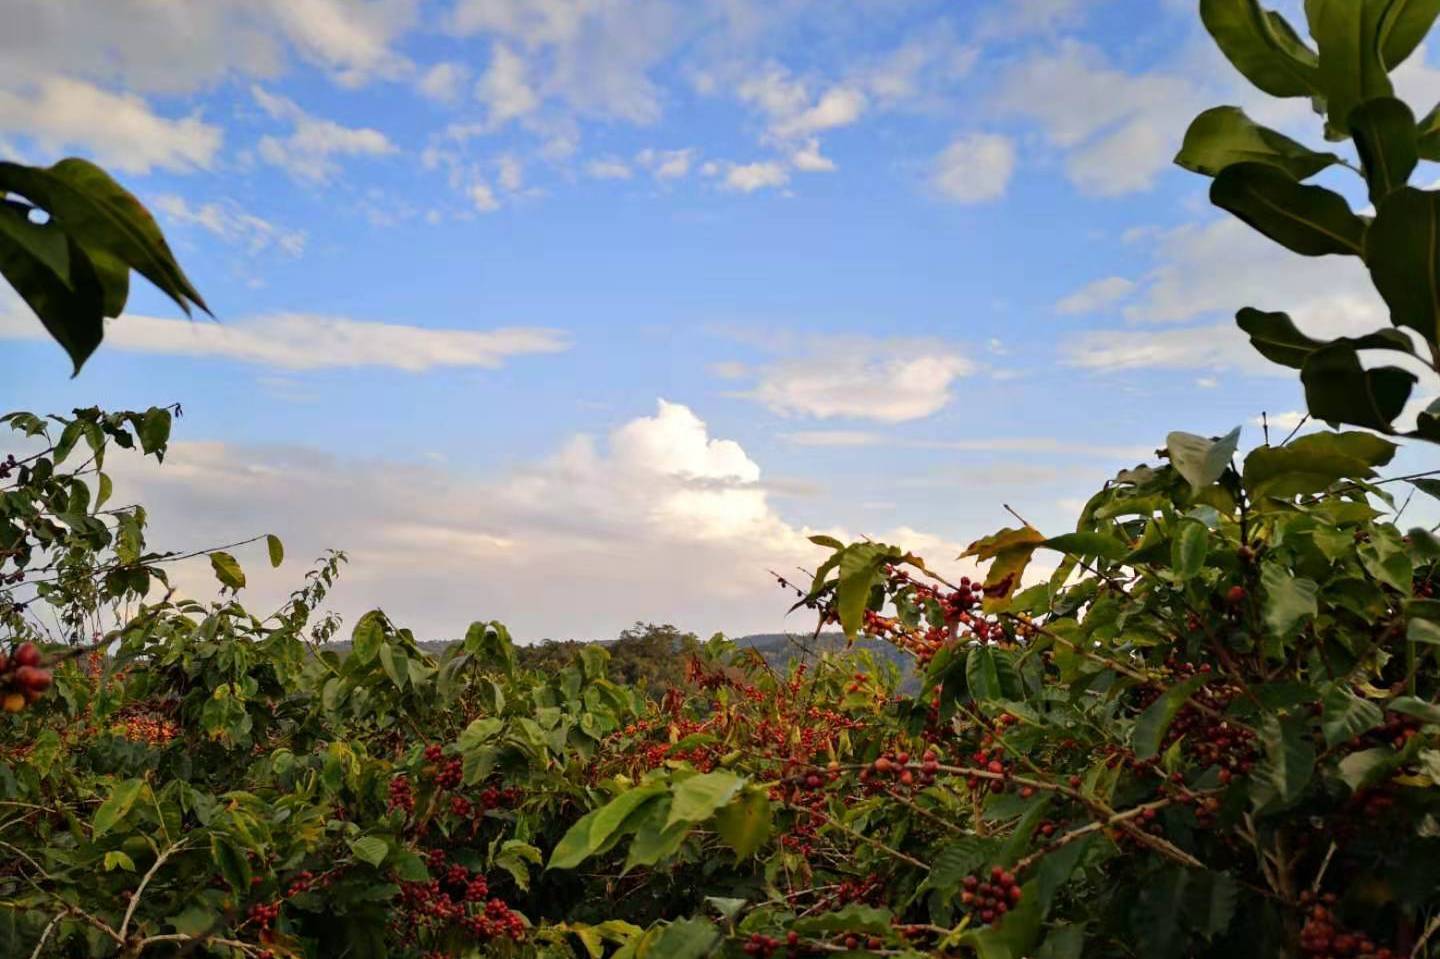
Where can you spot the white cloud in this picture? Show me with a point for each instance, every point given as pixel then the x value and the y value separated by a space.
pixel 588 56
pixel 807 158
pixel 309 152
pixel 975 167
pixel 1213 346
pixel 890 380
pixel 511 173
pixel 659 509
pixel 505 88
pixel 667 164
pixel 1014 18
pixel 483 197
pixel 837 107
pixel 444 81
pixel 302 341
pixel 352 38
pixel 1007 444
pixel 1287 420
pixel 227 220
pixel 1095 296
pixel 117 129
pixel 608 168
pixel 749 177
pixel 1118 130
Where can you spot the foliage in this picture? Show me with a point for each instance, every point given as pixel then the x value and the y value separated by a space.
pixel 1259 176
pixel 69 237
pixel 1212 731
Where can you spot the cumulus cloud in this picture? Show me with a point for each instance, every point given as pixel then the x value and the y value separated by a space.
pixel 351 39
pixel 667 164
pixel 505 87
pixel 975 167
pixel 311 149
pixel 1095 296
pixel 302 341
pixel 749 177
pixel 227 220
pixel 1118 130
pixel 444 81
pixel 118 129
pixel 608 168
pixel 889 380
pixel 659 519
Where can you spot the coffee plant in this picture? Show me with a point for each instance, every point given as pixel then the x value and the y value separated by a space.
pixel 1260 176
pixel 1213 731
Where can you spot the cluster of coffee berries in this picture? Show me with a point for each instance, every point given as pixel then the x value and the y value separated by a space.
pixel 759 944
pixel 23 678
pixel 401 795
pixel 990 898
pixel 900 767
pixel 8 465
pixel 264 914
pixel 1323 936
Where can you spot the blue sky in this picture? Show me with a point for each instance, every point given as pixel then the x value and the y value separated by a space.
pixel 576 312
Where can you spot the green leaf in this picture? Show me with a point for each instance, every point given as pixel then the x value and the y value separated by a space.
pixel 371 849
pixel 1352 70
pixel 1262 46
pixel 1385 138
pixel 115 859
pixel 1403 256
pixel 232 863
pixel 87 203
pixel 1419 708
pixel 1312 463
pixel 1276 337
pixel 990 674
pixel 1403 27
pixel 860 566
pixel 227 570
pixel 654 840
pixel 52 273
pixel 153 430
pixel 696 798
pixel 116 806
pixel 686 939
pixel 1225 136
pixel 1339 389
pixel 1310 220
pixel 1347 715
pixel 1200 460
pixel 853 918
pixel 1363 769
pixel 1150 728
pixel 276 549
pixel 594 829
pixel 956 860
pixel 1290 600
pixel 1188 549
pixel 1287 764
pixel 745 822
pixel 1088 544
pixel 367 637
pixel 1066 941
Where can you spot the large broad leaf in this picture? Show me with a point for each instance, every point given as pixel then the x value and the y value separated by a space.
pixel 1276 337
pixel 852 918
pixel 1427 134
pixel 686 939
pixel 1150 728
pixel 1290 600
pixel 696 799
pixel 1200 460
pixel 1188 547
pixel 1403 27
pixel 1352 69
pixel 990 674
pixel 859 571
pixel 1225 136
pixel 1339 389
pixel 595 829
pixel 1385 137
pixel 1310 220
pixel 116 806
pixel 227 570
pixel 1262 46
pixel 52 274
pixel 1287 764
pixel 745 822
pixel 1312 463
pixel 367 637
pixel 1402 251
pixel 1347 715
pixel 88 204
pixel 1009 552
pixel 1088 544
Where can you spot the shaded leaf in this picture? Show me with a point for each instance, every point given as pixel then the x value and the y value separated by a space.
pixel 1310 220
pixel 1223 136
pixel 1384 133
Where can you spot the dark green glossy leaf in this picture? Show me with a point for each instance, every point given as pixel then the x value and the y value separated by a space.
pixel 1310 220
pixel 1339 389
pixel 1385 138
pixel 1347 33
pixel 1402 252
pixel 1262 46
pixel 1224 136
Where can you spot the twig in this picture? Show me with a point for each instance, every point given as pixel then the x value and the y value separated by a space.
pixel 145 881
